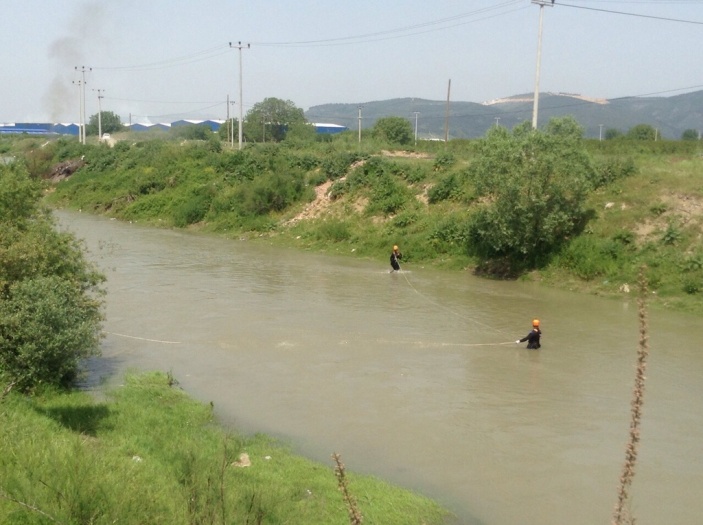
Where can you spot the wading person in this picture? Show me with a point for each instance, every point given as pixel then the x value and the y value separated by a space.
pixel 396 256
pixel 533 337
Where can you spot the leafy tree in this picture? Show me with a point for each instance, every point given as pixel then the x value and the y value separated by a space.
pixel 270 119
pixel 533 185
pixel 690 134
pixel 641 132
pixel 50 296
pixel 109 122
pixel 301 132
pixel 395 130
pixel 612 133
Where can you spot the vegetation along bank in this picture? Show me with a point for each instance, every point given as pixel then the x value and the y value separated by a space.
pixel 146 453
pixel 542 205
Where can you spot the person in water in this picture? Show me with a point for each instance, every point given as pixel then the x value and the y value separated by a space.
pixel 533 337
pixel 396 256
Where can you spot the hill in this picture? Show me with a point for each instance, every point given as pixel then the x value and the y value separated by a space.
pixel 671 116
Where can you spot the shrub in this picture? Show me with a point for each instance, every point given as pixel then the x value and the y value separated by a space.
pixel 443 160
pixel 534 185
pixel 671 235
pixel 658 209
pixel 692 286
pixel 50 307
pixel 191 211
pixel 395 130
pixel 336 165
pixel 451 230
pixel 333 230
pixel 47 325
pixel 273 192
pixel 612 169
pixel 449 187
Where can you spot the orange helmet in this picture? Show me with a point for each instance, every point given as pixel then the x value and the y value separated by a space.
pixel 535 322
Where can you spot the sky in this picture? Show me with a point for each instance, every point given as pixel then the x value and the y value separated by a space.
pixel 165 60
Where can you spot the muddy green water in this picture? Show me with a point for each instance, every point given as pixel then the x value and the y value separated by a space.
pixel 413 377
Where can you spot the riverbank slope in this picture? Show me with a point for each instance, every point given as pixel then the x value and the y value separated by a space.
pixel 645 208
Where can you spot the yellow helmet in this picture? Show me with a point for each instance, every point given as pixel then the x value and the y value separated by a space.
pixel 395 248
pixel 535 322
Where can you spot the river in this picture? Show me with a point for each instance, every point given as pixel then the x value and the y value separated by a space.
pixel 414 376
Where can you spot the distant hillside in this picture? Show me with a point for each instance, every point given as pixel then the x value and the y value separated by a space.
pixel 670 115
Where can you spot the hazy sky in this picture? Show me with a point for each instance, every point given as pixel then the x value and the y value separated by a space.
pixel 163 60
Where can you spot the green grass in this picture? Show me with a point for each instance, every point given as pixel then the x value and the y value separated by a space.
pixel 149 454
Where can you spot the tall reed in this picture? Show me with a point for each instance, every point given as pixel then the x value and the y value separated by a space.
pixel 621 514
pixel 355 517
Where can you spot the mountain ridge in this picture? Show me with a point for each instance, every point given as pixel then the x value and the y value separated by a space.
pixel 671 116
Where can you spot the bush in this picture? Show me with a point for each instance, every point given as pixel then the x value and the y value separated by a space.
pixel 50 307
pixel 335 166
pixel 333 230
pixel 612 169
pixel 449 187
pixel 534 187
pixel 191 211
pixel 47 325
pixel 443 160
pixel 270 193
pixel 394 130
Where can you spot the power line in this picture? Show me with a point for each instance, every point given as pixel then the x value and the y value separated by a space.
pixel 408 30
pixel 639 15
pixel 198 56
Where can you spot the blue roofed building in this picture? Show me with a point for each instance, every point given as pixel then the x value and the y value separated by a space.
pixel 329 128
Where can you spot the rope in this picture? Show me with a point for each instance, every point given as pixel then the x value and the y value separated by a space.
pixel 448 309
pixel 145 339
pixel 423 343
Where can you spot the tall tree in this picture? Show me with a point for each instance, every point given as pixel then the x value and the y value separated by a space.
pixel 109 122
pixel 395 130
pixel 269 120
pixel 690 134
pixel 533 186
pixel 642 132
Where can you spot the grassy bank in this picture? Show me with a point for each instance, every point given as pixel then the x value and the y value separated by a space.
pixel 645 204
pixel 149 454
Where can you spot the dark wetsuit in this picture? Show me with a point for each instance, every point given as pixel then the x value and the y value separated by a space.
pixel 395 257
pixel 532 339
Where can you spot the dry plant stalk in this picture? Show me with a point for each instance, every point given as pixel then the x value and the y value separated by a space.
pixel 622 515
pixel 5 496
pixel 7 389
pixel 355 517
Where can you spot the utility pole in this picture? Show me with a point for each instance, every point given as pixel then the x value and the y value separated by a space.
pixel 446 113
pixel 240 46
pixel 416 114
pixel 83 70
pixel 497 120
pixel 600 132
pixel 541 4
pixel 359 124
pixel 100 114
pixel 80 110
pixel 231 122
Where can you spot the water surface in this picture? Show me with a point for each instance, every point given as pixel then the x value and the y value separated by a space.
pixel 415 376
